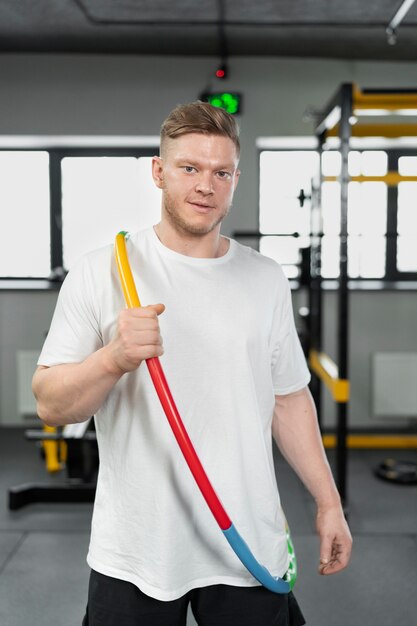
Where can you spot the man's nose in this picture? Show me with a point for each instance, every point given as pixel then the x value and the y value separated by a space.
pixel 205 184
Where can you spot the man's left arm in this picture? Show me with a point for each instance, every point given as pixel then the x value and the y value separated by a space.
pixel 297 435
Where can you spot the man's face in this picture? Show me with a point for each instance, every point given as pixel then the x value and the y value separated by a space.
pixel 198 175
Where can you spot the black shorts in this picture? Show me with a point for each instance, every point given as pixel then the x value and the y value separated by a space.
pixel 113 602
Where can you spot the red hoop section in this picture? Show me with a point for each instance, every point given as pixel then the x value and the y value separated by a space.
pixel 184 442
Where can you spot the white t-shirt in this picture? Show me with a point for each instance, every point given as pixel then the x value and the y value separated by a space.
pixel 230 346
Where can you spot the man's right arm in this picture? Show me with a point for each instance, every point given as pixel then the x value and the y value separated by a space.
pixel 72 392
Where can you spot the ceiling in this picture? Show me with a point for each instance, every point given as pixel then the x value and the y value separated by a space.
pixel 349 29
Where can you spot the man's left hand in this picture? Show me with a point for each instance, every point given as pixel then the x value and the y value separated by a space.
pixel 335 540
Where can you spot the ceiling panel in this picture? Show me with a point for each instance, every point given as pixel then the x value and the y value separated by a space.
pixel 141 11
pixel 319 28
pixel 311 12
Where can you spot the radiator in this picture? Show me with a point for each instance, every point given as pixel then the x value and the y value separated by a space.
pixel 394 384
pixel 26 365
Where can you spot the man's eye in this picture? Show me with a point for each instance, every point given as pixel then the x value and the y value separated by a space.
pixel 223 174
pixel 189 169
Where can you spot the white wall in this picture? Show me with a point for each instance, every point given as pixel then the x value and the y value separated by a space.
pixel 379 321
pixel 127 95
pixel 24 320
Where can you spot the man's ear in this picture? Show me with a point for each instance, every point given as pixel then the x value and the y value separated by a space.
pixel 157 171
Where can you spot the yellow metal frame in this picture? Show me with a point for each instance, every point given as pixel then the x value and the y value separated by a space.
pixel 383 101
pixel 392 131
pixel 370 441
pixel 328 372
pixel 366 104
pixel 55 451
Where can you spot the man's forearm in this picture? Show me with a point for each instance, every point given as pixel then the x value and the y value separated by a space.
pixel 72 392
pixel 295 430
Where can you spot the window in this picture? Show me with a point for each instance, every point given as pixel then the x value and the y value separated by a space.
pixel 407 214
pixel 282 176
pixel 24 202
pixel 100 197
pixel 382 229
pixel 367 215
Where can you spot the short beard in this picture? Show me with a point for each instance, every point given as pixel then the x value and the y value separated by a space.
pixel 184 227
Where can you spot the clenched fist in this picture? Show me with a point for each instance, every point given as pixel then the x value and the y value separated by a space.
pixel 137 338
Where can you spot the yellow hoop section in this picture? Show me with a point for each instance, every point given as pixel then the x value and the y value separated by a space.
pixel 125 273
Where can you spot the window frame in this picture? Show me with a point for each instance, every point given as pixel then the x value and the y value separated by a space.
pixel 56 154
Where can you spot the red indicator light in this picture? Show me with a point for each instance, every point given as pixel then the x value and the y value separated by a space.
pixel 220 73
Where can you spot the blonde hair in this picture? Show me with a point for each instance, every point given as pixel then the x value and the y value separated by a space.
pixel 200 117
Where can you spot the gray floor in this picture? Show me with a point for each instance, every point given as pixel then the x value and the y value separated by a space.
pixel 43 574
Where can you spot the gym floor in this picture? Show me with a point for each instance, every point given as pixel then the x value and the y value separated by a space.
pixel 44 576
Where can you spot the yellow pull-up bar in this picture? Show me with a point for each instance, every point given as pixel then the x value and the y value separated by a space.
pixel 392 131
pixel 392 179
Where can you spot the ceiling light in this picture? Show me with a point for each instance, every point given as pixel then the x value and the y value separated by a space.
pixel 396 21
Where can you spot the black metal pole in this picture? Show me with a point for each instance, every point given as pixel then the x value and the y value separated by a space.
pixel 55 191
pixel 392 221
pixel 343 304
pixel 315 287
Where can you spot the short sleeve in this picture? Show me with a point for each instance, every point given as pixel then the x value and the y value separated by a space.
pixel 288 364
pixel 74 332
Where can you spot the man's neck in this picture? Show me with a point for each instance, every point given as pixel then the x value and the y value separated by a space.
pixel 208 246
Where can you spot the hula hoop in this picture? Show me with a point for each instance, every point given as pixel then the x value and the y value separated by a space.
pixel 238 545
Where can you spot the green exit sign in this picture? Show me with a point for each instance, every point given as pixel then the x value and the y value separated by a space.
pixel 229 101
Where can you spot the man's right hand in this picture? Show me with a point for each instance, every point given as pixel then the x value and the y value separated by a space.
pixel 137 338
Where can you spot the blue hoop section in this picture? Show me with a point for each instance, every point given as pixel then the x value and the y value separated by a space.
pixel 242 550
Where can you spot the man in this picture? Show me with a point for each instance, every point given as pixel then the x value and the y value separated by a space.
pixel 236 370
